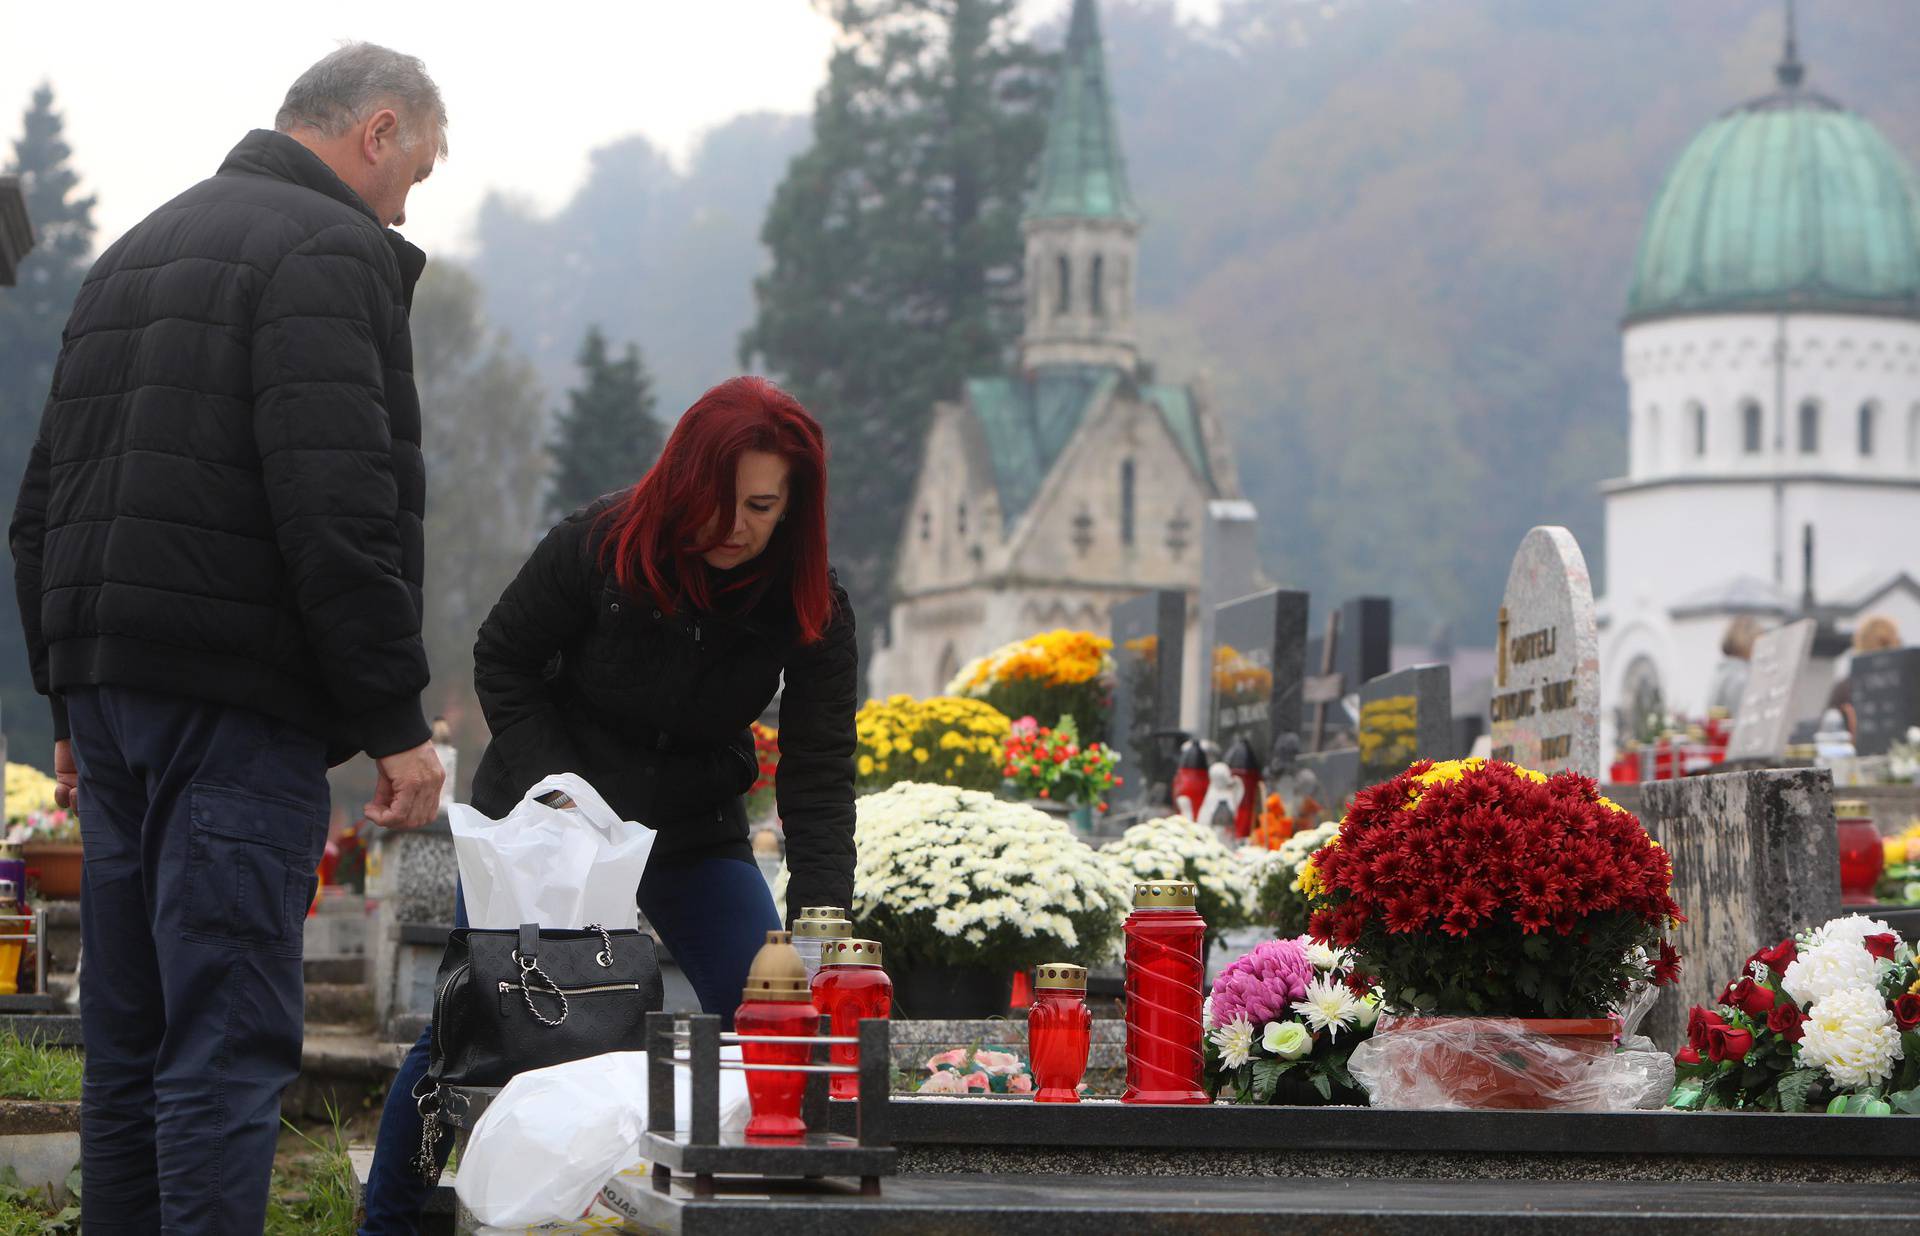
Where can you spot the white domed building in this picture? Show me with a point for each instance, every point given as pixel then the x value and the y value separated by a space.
pixel 1772 354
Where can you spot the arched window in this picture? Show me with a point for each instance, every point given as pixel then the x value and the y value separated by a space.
pixel 1750 427
pixel 963 517
pixel 1809 428
pixel 1698 415
pixel 1097 293
pixel 1126 502
pixel 926 525
pixel 1063 297
pixel 1651 451
pixel 1869 413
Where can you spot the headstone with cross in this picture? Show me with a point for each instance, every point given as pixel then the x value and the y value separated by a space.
pixel 1357 648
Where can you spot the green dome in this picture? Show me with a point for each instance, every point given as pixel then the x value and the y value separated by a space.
pixel 1790 202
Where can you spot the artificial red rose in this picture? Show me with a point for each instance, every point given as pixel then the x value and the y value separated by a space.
pixel 1881 944
pixel 1687 1055
pixel 1750 998
pixel 1785 1021
pixel 1906 1011
pixel 1699 1022
pixel 1728 1043
pixel 1777 958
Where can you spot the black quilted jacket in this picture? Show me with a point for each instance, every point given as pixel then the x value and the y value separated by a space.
pixel 576 676
pixel 225 494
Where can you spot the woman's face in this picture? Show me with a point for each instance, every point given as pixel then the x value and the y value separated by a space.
pixel 760 500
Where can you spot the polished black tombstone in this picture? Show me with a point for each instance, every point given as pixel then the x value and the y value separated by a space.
pixel 1257 661
pixel 1886 698
pixel 1149 639
pixel 1405 716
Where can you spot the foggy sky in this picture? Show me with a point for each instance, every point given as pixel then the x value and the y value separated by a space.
pixel 155 94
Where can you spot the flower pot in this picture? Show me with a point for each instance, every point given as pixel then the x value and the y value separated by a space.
pixel 952 993
pixel 1500 1063
pixel 58 863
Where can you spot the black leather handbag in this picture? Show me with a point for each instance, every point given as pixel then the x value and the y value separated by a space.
pixel 505 1002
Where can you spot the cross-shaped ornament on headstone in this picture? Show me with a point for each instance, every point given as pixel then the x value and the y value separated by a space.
pixel 1327 687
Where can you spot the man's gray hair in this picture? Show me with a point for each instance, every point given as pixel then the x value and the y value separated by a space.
pixel 349 85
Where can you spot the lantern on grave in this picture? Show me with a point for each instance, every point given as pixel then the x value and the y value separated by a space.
pixel 1059 1031
pixel 1164 977
pixel 850 987
pixel 1246 770
pixel 777 1003
pixel 814 928
pixel 1190 779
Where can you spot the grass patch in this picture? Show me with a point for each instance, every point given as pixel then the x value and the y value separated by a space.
pixel 30 1212
pixel 31 1071
pixel 313 1188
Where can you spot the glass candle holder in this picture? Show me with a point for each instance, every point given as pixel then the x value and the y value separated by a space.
pixel 811 931
pixel 1059 1032
pixel 1164 977
pixel 776 1003
pixel 1862 857
pixel 850 987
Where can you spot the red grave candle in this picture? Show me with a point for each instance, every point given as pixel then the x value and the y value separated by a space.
pixel 777 1003
pixel 1862 857
pixel 849 987
pixel 1164 977
pixel 1059 1032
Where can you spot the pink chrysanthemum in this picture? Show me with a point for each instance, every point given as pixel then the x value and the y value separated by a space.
pixel 1263 984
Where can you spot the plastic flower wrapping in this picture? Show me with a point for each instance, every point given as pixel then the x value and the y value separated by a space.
pixel 1282 1023
pixel 1827 1020
pixel 942 740
pixel 959 877
pixel 1176 848
pixel 1479 887
pixel 1054 674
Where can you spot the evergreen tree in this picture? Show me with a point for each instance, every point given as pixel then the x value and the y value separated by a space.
pixel 32 315
pixel 607 437
pixel 896 249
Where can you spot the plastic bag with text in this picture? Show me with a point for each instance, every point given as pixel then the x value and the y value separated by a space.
pixel 559 866
pixel 1578 1064
pixel 545 1147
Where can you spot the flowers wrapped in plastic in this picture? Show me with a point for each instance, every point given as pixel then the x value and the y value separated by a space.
pixel 1515 923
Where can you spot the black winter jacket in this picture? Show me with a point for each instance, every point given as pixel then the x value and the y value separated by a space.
pixel 652 709
pixel 224 498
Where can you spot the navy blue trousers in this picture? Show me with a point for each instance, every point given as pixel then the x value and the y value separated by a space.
pixel 203 825
pixel 713 915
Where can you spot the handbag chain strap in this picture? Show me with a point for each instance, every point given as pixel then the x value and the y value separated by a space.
pixel 531 968
pixel 605 956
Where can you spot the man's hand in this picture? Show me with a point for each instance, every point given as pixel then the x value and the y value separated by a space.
pixel 408 795
pixel 66 775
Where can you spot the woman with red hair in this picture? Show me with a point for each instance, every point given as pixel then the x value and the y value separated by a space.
pixel 636 646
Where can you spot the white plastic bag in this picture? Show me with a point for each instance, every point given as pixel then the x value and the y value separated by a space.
pixel 560 867
pixel 545 1147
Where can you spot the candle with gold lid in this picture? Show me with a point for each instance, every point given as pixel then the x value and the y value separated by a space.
pixel 815 926
pixel 1059 1031
pixel 777 1002
pixel 1165 977
pixel 851 985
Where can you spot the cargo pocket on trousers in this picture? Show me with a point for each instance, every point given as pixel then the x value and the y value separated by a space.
pixel 250 868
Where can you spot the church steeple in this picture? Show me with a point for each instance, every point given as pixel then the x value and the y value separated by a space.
pixel 1082 226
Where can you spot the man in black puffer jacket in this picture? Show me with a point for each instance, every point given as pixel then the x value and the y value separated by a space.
pixel 217 552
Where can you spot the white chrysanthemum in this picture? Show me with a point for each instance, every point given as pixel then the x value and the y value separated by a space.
pixel 1326 957
pixel 1176 848
pixel 1823 969
pixel 1852 928
pixel 1235 1041
pixel 1329 1006
pixel 1851 1034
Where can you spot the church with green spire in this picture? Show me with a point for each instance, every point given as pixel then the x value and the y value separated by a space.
pixel 1046 495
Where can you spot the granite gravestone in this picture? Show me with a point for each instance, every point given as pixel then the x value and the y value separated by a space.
pixel 1405 716
pixel 1545 708
pixel 1258 657
pixel 1886 698
pixel 1149 636
pixel 1356 648
pixel 1756 857
pixel 1764 724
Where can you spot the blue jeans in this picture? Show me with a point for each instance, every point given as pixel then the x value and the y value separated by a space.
pixel 712 914
pixel 203 825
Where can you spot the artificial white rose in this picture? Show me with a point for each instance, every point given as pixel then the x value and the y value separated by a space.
pixel 1288 1040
